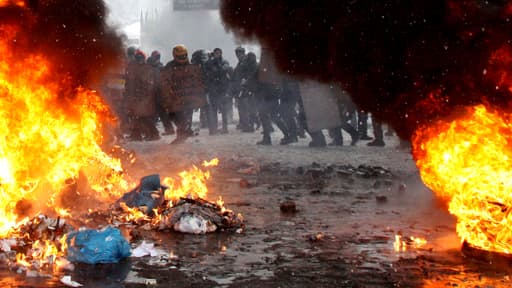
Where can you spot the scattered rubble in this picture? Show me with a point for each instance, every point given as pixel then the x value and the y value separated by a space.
pixel 288 207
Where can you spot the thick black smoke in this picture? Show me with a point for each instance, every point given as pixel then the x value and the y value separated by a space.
pixel 71 34
pixel 408 62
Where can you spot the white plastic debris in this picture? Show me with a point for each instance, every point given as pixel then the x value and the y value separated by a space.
pixel 194 224
pixel 145 249
pixel 64 264
pixel 66 280
pixel 6 244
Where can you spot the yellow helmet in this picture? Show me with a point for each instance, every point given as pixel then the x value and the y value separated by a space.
pixel 180 53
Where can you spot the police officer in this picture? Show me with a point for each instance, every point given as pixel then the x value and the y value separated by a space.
pixel 183 91
pixel 154 61
pixel 200 57
pixel 218 77
pixel 243 86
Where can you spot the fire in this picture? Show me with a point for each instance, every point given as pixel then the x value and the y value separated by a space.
pixel 133 214
pixel 467 162
pixel 42 253
pixel 47 138
pixel 401 243
pixel 40 243
pixel 192 183
pixel 19 3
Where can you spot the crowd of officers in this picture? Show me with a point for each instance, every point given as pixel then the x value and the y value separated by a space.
pixel 207 84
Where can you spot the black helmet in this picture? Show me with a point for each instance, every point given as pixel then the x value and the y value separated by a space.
pixel 240 50
pixel 130 51
pixel 199 57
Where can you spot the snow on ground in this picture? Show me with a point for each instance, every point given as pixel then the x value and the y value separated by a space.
pixel 155 156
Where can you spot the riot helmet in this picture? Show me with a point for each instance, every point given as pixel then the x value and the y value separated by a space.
pixel 180 53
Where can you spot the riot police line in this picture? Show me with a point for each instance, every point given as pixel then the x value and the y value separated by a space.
pixel 147 92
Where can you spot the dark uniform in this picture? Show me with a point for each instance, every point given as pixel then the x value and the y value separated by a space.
pixel 200 57
pixel 268 93
pixel 243 87
pixel 218 74
pixel 287 109
pixel 154 61
pixel 347 110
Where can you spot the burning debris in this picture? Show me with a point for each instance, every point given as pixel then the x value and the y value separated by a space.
pixel 36 245
pixel 45 244
pixel 465 161
pixel 405 243
pixel 178 206
pixel 198 216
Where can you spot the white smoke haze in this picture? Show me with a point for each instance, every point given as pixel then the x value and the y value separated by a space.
pixel 154 25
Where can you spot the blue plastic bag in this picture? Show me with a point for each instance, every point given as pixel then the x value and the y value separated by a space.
pixel 97 246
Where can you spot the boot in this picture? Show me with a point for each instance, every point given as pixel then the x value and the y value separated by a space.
pixel 365 137
pixel 265 141
pixel 335 143
pixel 377 143
pixel 355 138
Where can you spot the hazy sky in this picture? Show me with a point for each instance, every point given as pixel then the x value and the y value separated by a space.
pixel 125 12
pixel 195 29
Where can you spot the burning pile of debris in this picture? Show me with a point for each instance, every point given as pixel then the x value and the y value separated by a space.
pixel 152 205
pixel 43 245
pixel 36 244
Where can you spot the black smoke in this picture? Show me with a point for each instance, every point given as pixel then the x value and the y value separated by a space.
pixel 407 62
pixel 72 35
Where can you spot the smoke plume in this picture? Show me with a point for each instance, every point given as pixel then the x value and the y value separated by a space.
pixel 407 62
pixel 71 34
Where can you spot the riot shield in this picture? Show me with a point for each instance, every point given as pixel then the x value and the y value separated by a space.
pixel 182 88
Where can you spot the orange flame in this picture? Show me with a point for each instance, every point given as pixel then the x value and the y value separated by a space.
pixel 467 162
pixel 47 139
pixel 42 252
pixel 133 214
pixel 19 3
pixel 191 185
pixel 401 243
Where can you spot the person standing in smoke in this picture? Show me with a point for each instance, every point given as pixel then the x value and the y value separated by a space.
pixel 154 61
pixel 269 91
pixel 362 125
pixel 200 57
pixel 218 74
pixel 130 54
pixel 287 109
pixel 242 88
pixel 378 133
pixel 317 137
pixel 124 120
pixel 347 110
pixel 182 91
pixel 140 99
